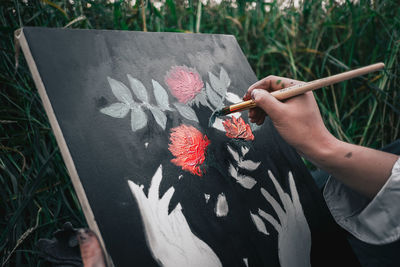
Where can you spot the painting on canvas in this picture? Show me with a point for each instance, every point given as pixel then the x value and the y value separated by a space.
pixel 131 113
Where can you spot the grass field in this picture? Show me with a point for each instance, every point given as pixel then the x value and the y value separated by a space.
pixel 317 39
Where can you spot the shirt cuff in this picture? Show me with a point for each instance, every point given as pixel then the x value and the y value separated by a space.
pixel 373 221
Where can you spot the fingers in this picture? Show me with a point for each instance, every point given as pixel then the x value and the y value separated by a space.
pixel 293 192
pixel 91 252
pixel 271 220
pixel 275 205
pixel 267 103
pixel 164 202
pixel 271 83
pixel 155 185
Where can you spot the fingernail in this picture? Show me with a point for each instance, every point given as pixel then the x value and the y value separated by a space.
pixel 253 93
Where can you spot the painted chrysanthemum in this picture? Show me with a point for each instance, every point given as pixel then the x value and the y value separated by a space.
pixel 184 83
pixel 237 128
pixel 189 146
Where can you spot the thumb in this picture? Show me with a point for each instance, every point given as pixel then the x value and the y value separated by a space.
pixel 264 100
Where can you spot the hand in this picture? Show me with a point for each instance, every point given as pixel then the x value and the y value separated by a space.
pixel 297 119
pixel 299 122
pixel 91 252
pixel 294 236
pixel 169 237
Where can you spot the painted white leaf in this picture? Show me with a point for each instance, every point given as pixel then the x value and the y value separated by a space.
pixel 215 99
pixel 233 171
pixel 221 208
pixel 234 154
pixel 116 110
pixel 245 149
pixel 233 98
pixel 186 111
pixel 161 96
pixel 138 89
pixel 159 116
pixel 258 222
pixel 246 262
pixel 217 85
pixel 207 197
pixel 224 78
pixel 120 91
pixel 218 125
pixel 246 181
pixel 200 99
pixel 138 118
pixel 248 165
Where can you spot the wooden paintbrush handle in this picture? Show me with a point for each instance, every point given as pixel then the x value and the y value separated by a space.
pixel 305 87
pixel 298 89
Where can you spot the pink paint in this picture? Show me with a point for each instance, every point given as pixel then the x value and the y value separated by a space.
pixel 184 83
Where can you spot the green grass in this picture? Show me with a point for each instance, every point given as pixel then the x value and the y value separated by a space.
pixel 36 195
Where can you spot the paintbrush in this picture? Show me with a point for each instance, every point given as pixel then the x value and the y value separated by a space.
pixel 298 89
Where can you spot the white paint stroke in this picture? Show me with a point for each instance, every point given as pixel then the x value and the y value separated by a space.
pixel 245 150
pixel 161 96
pixel 138 118
pixel 168 236
pixel 236 115
pixel 224 77
pixel 186 111
pixel 213 97
pixel 207 197
pixel 221 208
pixel 246 181
pixel 233 98
pixel 146 144
pixel 120 91
pixel 159 116
pixel 180 176
pixel 116 110
pixel 294 236
pixel 234 154
pixel 258 222
pixel 218 125
pixel 246 262
pixel 138 89
pixel 218 121
pixel 232 171
pixel 248 165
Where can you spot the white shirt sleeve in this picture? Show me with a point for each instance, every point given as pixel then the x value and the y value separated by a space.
pixel 375 221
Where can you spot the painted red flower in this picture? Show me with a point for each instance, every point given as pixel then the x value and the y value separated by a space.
pixel 189 146
pixel 237 128
pixel 184 83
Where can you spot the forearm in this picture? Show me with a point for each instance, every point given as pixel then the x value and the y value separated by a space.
pixel 363 169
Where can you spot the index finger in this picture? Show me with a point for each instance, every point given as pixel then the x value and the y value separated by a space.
pixel 271 83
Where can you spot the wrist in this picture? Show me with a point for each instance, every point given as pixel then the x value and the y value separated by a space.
pixel 321 149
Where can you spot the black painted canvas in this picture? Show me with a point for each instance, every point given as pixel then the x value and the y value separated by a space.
pixel 166 189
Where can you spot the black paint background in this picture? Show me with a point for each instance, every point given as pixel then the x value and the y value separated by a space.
pixel 74 65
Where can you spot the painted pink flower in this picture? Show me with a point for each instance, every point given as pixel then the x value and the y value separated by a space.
pixel 189 146
pixel 237 128
pixel 184 83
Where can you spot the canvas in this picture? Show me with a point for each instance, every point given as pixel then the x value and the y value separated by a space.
pixel 130 112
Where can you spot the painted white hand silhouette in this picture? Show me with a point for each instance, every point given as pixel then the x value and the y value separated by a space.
pixel 294 236
pixel 168 235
